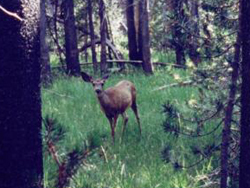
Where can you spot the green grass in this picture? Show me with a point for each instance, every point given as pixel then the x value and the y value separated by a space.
pixel 168 56
pixel 135 163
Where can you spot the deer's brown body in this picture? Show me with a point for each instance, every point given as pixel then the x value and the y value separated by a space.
pixel 114 101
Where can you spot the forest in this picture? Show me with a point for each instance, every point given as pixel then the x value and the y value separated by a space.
pixel 124 94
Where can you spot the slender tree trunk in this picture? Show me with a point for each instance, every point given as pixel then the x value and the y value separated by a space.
pixel 21 162
pixel 56 38
pixel 195 33
pixel 103 34
pixel 45 61
pixel 140 27
pixel 229 111
pixel 110 64
pixel 177 34
pixel 92 36
pixel 132 38
pixel 245 97
pixel 207 41
pixel 179 53
pixel 137 25
pixel 144 37
pixel 72 57
pixel 86 54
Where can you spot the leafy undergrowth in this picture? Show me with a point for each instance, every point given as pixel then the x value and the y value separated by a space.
pixel 136 162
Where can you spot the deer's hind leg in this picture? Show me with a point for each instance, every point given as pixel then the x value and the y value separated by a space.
pixel 135 110
pixel 125 120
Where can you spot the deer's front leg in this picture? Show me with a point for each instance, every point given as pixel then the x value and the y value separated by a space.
pixel 112 122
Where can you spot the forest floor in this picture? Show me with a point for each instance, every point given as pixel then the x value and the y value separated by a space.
pixel 136 162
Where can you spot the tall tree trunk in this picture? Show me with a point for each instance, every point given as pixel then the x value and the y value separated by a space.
pixel 72 57
pixel 56 38
pixel 92 36
pixel 144 37
pixel 245 97
pixel 86 37
pixel 132 34
pixel 137 25
pixel 229 111
pixel 103 34
pixel 21 162
pixel 179 53
pixel 177 6
pixel 207 40
pixel 194 28
pixel 109 37
pixel 45 61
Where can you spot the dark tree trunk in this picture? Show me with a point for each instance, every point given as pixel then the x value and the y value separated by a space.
pixel 72 57
pixel 92 36
pixel 195 33
pixel 229 111
pixel 103 34
pixel 179 53
pixel 56 38
pixel 21 163
pixel 86 37
pixel 45 61
pixel 144 37
pixel 177 34
pixel 132 38
pixel 207 40
pixel 109 37
pixel 245 97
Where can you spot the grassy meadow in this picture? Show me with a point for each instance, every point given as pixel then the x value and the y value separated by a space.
pixel 136 162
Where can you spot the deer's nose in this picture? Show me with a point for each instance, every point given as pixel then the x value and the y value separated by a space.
pixel 98 91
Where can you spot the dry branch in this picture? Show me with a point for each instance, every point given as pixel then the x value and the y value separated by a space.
pixel 12 14
pixel 185 83
pixel 60 95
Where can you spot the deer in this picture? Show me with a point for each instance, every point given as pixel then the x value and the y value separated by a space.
pixel 114 101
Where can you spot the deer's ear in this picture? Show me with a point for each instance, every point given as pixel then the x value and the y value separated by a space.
pixel 86 77
pixel 105 77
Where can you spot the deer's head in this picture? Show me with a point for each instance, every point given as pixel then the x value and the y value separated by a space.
pixel 97 83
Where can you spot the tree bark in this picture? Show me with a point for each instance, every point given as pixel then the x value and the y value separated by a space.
pixel 103 32
pixel 21 162
pixel 144 37
pixel 45 60
pixel 132 38
pixel 208 37
pixel 109 37
pixel 86 37
pixel 194 28
pixel 72 57
pixel 56 38
pixel 177 34
pixel 92 36
pixel 229 111
pixel 245 97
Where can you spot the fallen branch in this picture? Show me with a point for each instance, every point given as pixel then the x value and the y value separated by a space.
pixel 60 95
pixel 12 14
pixel 186 83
